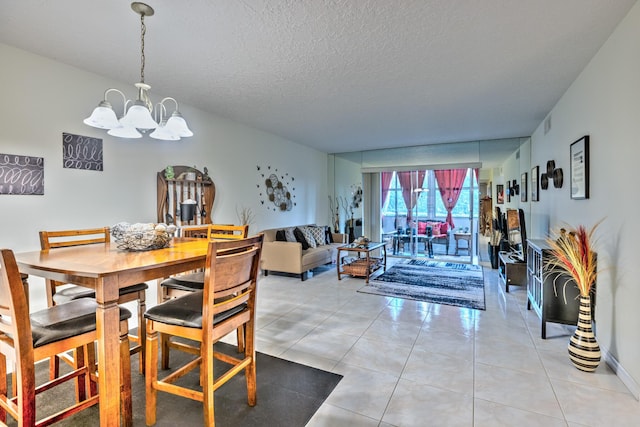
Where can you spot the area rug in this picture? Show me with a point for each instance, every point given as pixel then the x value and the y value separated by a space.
pixel 288 395
pixel 449 283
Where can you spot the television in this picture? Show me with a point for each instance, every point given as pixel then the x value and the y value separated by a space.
pixel 516 232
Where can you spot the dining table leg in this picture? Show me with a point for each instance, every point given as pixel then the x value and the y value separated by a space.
pixel 107 324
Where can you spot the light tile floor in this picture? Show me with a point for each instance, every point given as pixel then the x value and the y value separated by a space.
pixel 408 363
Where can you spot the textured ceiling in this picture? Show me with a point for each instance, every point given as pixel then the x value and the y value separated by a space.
pixel 337 75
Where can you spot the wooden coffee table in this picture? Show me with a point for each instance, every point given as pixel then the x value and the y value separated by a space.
pixel 363 266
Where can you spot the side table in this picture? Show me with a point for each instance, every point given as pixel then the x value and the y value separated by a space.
pixel 362 266
pixel 462 236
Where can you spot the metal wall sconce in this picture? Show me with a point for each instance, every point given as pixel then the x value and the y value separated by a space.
pixel 554 174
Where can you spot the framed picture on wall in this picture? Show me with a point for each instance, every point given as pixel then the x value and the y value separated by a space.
pixel 535 189
pixel 523 187
pixel 579 157
pixel 500 194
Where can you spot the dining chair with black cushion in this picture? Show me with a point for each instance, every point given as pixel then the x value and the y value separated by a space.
pixel 227 301
pixel 26 338
pixel 59 292
pixel 183 284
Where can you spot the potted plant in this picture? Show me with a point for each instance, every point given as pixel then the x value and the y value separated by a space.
pixel 245 215
pixel 572 255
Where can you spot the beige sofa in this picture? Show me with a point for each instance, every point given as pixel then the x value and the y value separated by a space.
pixel 288 257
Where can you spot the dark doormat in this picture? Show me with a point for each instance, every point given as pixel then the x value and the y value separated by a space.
pixel 288 395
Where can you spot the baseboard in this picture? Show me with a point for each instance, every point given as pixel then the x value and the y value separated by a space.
pixel 624 376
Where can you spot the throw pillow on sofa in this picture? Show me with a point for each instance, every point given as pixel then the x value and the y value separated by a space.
pixel 300 238
pixel 318 234
pixel 308 236
pixel 444 227
pixel 435 227
pixel 328 235
pixel 290 235
pixel 281 236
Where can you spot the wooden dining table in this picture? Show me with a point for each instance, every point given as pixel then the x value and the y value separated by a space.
pixel 106 268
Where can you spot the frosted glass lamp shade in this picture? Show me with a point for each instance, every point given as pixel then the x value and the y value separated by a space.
pixel 138 116
pixel 125 132
pixel 103 117
pixel 161 132
pixel 178 125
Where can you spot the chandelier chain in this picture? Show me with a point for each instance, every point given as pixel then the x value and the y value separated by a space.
pixel 143 31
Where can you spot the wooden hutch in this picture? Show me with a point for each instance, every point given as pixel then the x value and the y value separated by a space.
pixel 184 183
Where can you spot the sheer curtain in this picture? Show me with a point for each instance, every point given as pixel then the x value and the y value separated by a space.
pixel 450 183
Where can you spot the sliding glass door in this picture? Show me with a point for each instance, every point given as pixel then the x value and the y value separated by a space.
pixel 428 213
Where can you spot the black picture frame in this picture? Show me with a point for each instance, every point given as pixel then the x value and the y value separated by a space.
pixel 523 187
pixel 579 168
pixel 535 188
pixel 500 194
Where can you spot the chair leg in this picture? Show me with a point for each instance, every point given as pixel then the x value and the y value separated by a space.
pixel 151 376
pixel 250 370
pixel 206 378
pixel 126 408
pixel 164 348
pixel 92 378
pixel 3 384
pixel 142 307
pixel 79 361
pixel 54 367
pixel 240 338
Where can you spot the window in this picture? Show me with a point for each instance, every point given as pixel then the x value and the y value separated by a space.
pixel 463 207
pixel 428 201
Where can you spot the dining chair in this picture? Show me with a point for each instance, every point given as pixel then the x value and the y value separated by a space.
pixel 227 301
pixel 59 292
pixel 26 338
pixel 183 284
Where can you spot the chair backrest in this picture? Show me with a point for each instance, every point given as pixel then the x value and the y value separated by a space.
pixel 15 327
pixel 228 231
pixel 64 238
pixel 198 231
pixel 230 277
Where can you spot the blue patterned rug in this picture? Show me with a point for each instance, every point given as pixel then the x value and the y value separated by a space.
pixel 449 283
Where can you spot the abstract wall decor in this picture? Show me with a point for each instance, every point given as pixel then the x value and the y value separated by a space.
pixel 276 189
pixel 22 175
pixel 81 152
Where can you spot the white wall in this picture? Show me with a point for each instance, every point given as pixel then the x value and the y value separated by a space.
pixel 604 103
pixel 518 163
pixel 43 98
pixel 347 176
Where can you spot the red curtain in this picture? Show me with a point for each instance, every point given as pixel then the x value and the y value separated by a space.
pixel 450 185
pixel 476 171
pixel 410 180
pixel 385 177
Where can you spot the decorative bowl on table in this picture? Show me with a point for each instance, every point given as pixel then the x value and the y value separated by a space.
pixel 142 236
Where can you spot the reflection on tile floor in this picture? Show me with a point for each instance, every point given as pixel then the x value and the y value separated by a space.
pixel 407 363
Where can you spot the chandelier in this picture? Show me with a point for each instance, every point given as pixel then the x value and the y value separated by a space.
pixel 137 115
